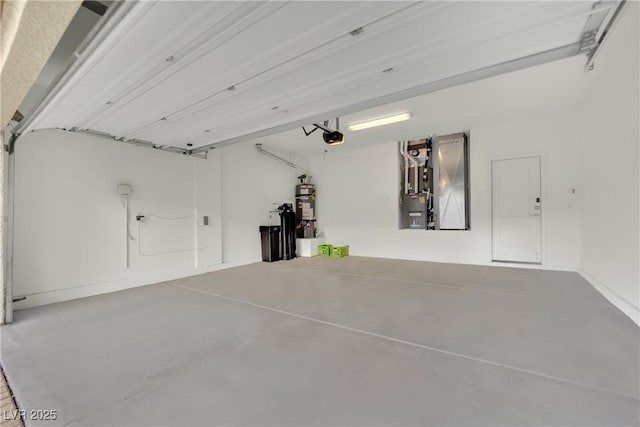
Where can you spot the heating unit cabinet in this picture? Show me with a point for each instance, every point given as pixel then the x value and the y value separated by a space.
pixel 434 184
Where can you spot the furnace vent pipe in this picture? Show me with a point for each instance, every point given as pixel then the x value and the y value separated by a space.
pixel 404 154
pixel 416 166
pixel 414 162
pixel 280 159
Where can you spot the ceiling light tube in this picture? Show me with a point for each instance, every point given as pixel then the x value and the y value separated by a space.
pixel 380 122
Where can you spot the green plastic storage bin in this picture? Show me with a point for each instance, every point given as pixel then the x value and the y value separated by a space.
pixel 324 250
pixel 340 251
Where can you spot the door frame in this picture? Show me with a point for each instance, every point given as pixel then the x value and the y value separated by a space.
pixel 6 228
pixel 543 199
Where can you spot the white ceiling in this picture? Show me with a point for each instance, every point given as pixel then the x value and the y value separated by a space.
pixel 555 88
pixel 164 73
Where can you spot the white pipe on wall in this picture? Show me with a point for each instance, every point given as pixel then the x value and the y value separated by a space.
pixel 416 167
pixel 280 159
pixel 416 170
pixel 195 238
pixel 125 201
pixel 414 162
pixel 403 151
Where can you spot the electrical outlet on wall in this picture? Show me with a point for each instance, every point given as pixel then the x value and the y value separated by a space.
pixel 571 198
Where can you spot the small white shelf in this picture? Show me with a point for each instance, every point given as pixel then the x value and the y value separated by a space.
pixel 308 247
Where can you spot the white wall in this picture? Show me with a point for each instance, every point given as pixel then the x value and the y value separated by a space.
pixel 358 195
pixel 252 185
pixel 69 220
pixel 609 156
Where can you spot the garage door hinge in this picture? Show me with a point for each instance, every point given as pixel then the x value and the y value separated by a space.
pixel 588 42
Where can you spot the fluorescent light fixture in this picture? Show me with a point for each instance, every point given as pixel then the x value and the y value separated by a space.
pixel 380 122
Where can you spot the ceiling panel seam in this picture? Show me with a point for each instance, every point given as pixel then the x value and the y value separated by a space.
pixel 131 132
pixel 115 15
pixel 554 54
pixel 333 86
pixel 103 48
pixel 163 64
pixel 241 84
pixel 181 60
pixel 290 81
pixel 495 34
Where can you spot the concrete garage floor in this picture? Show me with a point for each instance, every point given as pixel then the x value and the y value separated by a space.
pixel 353 341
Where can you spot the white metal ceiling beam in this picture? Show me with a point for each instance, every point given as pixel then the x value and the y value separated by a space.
pixel 494 70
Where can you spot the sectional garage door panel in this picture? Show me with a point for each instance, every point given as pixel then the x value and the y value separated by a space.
pixel 201 73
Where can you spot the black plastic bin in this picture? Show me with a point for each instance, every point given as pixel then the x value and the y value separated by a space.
pixel 270 237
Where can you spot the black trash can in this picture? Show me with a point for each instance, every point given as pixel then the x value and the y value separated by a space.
pixel 270 237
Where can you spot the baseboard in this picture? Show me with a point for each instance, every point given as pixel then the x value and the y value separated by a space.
pixel 487 262
pixel 231 264
pixel 83 291
pixel 622 304
pixel 532 266
pixel 88 290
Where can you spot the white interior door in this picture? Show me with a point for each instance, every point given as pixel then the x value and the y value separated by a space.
pixel 516 207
